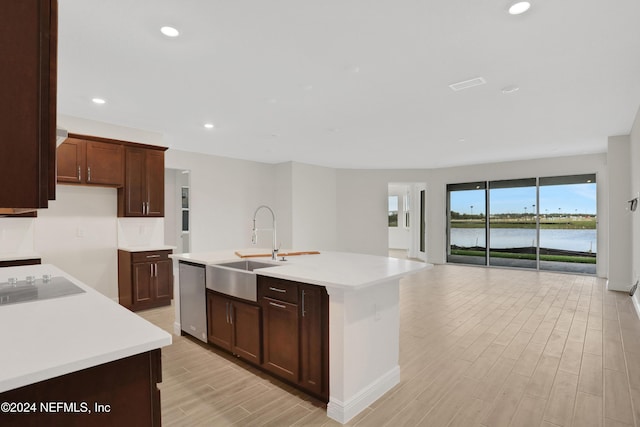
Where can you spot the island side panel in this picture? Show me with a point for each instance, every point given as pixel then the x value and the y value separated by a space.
pixel 122 392
pixel 177 327
pixel 364 347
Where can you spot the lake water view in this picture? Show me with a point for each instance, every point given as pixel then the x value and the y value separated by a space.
pixel 501 238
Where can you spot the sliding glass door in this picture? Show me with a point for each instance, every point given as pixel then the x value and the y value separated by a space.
pixel 568 235
pixel 540 223
pixel 512 223
pixel 467 223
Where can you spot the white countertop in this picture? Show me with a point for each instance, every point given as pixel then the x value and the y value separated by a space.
pixel 19 256
pixel 332 269
pixel 147 248
pixel 45 339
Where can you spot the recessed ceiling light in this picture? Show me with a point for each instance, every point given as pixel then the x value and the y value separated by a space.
pixel 209 125
pixel 519 7
pixel 466 84
pixel 510 89
pixel 170 31
pixel 99 101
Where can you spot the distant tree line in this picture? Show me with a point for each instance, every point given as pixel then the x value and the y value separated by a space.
pixel 515 215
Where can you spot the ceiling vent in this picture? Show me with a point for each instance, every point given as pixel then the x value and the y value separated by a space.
pixel 467 84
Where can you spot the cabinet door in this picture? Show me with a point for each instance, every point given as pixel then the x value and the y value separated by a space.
pixel 105 163
pixel 218 325
pixel 142 288
pixel 314 366
pixel 154 164
pixel 70 154
pixel 245 320
pixel 134 197
pixel 28 43
pixel 280 338
pixel 163 279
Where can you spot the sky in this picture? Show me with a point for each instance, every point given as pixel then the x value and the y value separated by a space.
pixel 580 198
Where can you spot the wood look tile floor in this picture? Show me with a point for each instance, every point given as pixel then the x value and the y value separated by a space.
pixel 478 347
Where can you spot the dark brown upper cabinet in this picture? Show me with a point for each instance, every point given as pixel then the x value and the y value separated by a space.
pixel 28 81
pixel 143 191
pixel 89 162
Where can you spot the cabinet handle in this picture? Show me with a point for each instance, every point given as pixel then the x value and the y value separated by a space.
pixel 271 288
pixel 155 269
pixel 231 313
pixel 303 310
pixel 277 305
pixel 151 270
pixel 226 304
pixel 79 173
pixel 89 174
pixel 153 256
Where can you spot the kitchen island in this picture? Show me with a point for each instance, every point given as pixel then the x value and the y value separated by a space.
pixel 364 318
pixel 76 359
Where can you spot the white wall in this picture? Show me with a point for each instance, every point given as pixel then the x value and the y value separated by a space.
pixel 619 189
pixel 284 203
pixel 78 233
pixel 224 194
pixel 171 217
pixel 107 130
pixel 313 207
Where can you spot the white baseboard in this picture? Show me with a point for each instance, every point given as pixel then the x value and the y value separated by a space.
pixel 177 330
pixel 345 411
pixel 615 286
pixel 636 303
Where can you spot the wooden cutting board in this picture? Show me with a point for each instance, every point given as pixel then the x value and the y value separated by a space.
pixel 255 255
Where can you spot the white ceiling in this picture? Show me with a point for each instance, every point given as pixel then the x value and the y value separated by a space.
pixel 355 83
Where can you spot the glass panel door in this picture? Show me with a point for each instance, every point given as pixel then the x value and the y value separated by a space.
pixel 467 223
pixel 513 223
pixel 568 234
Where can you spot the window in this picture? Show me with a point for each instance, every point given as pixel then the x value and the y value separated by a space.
pixel 542 223
pixel 406 211
pixel 393 211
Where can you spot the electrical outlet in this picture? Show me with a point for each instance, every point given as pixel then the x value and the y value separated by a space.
pixel 376 312
pixel 80 232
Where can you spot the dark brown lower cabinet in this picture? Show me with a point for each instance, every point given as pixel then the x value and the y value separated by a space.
pixel 281 338
pixel 119 393
pixel 145 279
pixel 314 339
pixel 234 326
pixel 296 333
pixel 286 332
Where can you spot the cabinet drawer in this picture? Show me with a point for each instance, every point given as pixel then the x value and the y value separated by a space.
pixel 278 289
pixel 149 256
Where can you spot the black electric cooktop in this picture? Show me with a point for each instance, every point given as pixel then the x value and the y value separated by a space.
pixel 36 290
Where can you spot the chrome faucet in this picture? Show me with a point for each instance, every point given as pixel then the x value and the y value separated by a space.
pixel 254 233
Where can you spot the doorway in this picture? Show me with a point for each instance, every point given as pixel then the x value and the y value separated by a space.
pixel 407 220
pixel 177 219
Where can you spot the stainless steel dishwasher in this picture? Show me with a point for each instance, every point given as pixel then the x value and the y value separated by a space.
pixel 193 300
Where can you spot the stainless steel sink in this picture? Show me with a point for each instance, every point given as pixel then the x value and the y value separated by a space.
pixel 236 278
